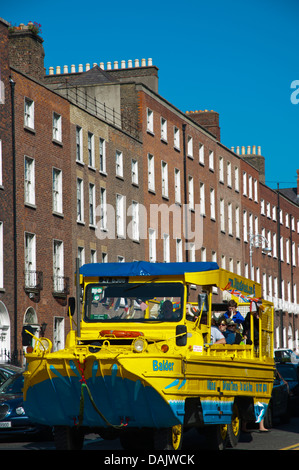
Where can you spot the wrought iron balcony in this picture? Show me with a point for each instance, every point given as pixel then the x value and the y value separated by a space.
pixel 33 281
pixel 61 286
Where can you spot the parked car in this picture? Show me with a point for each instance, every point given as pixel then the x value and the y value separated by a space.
pixel 279 406
pixel 285 355
pixel 7 370
pixel 290 373
pixel 13 419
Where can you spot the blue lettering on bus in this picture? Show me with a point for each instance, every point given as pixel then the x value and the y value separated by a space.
pixel 163 365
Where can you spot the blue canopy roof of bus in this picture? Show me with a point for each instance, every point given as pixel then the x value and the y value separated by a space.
pixel 144 268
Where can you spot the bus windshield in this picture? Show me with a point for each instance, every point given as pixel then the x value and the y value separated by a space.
pixel 124 302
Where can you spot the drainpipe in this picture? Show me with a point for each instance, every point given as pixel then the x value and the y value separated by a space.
pixel 15 332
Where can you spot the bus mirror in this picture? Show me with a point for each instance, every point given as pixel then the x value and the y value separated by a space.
pixel 203 302
pixel 72 305
pixel 181 335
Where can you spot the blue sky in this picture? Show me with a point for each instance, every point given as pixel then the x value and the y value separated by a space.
pixel 237 57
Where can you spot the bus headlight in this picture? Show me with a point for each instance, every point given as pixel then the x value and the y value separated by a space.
pixel 139 345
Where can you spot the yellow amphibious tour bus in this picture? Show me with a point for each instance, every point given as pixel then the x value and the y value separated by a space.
pixel 139 362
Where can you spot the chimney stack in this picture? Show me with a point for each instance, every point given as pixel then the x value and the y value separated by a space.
pixel 298 184
pixel 26 52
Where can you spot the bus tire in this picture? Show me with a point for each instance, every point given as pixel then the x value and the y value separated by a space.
pixel 169 438
pixel 234 428
pixel 216 436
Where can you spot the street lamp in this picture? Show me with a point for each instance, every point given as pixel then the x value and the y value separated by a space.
pixel 257 241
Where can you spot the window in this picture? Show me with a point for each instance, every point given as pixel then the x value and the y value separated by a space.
pixel 244 183
pixel 135 220
pixel 30 260
pixel 237 185
pixel 93 256
pixel 190 146
pixel 80 201
pixel 81 255
pixel 176 138
pixel 152 245
pixel 58 266
pixel 151 172
pixel 191 192
pixel 177 186
pixel 163 129
pixel 201 154
pixel 79 145
pixel 102 155
pixel 179 250
pixel 237 219
pixel 29 181
pixel 92 204
pixel 211 160
pixel 202 197
pixel 103 205
pixel 250 187
pixel 150 120
pixel 120 215
pixel 57 129
pixel 245 227
pixel 229 175
pixel 119 164
pixel 29 113
pixel 221 170
pixel 164 174
pixel 230 218
pixel 1 257
pixel 212 204
pixel 91 160
pixel 255 189
pixel 166 248
pixel 222 216
pixel 134 171
pixel 57 190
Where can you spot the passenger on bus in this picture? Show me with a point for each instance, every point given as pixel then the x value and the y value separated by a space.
pixel 216 336
pixel 246 330
pixel 233 314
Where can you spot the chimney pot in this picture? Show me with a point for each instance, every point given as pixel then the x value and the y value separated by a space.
pixel 73 68
pixel 80 68
pixel 130 64
pixel 149 62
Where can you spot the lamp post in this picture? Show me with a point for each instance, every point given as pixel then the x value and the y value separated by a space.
pixel 257 241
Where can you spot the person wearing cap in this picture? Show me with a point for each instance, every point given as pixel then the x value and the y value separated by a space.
pixel 233 314
pixel 228 329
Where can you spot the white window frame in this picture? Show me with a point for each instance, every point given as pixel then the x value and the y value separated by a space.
pixel 90 145
pixel 134 171
pixel 57 190
pixel 176 137
pixel 103 205
pixel 120 216
pixel 212 204
pixel 30 259
pixel 166 248
pixel 92 204
pixel 177 186
pixel 57 127
pixel 149 120
pixel 151 172
pixel 135 220
pixel 29 180
pixel 201 154
pixel 163 129
pixel 152 245
pixel 190 146
pixel 179 250
pixel 164 178
pixel 119 164
pixel 79 144
pixel 29 113
pixel 211 160
pixel 58 266
pixel 202 198
pixel 80 200
pixel 191 192
pixel 102 155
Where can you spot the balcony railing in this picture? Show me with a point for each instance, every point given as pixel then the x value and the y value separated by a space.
pixel 61 286
pixel 33 281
